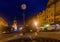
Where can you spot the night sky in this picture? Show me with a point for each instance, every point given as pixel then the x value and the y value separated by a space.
pixel 9 9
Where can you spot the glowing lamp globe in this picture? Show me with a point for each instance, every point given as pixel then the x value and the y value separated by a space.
pixel 23 6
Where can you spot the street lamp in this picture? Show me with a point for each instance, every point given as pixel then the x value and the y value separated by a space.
pixel 35 23
pixel 23 7
pixel 36 26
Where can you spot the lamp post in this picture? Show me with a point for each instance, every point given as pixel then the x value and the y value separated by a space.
pixel 23 7
pixel 36 25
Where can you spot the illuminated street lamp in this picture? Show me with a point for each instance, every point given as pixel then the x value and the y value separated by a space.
pixel 36 26
pixel 35 23
pixel 23 7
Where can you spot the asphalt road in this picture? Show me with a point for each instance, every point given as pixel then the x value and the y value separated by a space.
pixel 52 35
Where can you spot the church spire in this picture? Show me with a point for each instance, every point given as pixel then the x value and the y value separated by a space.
pixel 14 23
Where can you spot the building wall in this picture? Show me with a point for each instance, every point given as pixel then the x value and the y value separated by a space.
pixel 3 24
pixel 14 24
pixel 58 7
pixel 57 15
pixel 41 18
pixel 50 1
pixel 49 14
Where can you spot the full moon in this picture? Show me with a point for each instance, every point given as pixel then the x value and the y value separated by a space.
pixel 23 6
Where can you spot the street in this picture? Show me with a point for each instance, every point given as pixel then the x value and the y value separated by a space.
pixel 29 20
pixel 51 35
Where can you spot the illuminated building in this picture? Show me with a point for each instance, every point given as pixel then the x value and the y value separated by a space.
pixel 50 2
pixel 57 15
pixel 47 15
pixel 51 15
pixel 15 24
pixel 41 18
pixel 3 24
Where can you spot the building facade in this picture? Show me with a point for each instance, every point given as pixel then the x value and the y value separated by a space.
pixel 51 15
pixel 3 24
pixel 14 25
pixel 57 15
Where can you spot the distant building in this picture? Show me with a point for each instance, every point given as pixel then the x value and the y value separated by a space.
pixel 14 26
pixel 3 24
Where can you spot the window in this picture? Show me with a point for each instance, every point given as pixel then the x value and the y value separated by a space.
pixel 47 16
pixel 52 20
pixel 51 14
pixel 49 20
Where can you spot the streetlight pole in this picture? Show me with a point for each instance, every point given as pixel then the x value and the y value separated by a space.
pixel 23 7
pixel 23 18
